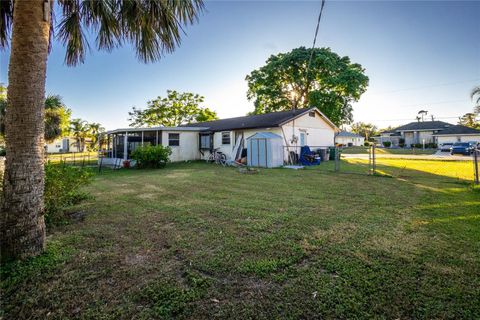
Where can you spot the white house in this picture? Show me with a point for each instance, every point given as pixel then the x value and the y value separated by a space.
pixel 64 145
pixel 349 139
pixel 197 140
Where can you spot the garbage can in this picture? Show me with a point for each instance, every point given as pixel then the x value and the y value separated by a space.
pixel 332 153
pixel 323 154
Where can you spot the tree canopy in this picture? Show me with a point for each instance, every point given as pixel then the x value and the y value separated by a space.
pixel 366 130
pixel 331 83
pixel 469 120
pixel 175 109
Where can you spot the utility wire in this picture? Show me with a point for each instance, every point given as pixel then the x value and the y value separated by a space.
pixel 316 34
pixel 426 87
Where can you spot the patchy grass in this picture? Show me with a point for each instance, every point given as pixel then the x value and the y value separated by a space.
pixel 416 169
pixel 365 150
pixel 201 241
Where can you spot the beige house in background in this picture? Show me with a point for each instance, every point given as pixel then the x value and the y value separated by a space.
pixel 425 132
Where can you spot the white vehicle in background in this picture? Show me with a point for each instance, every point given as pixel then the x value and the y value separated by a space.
pixel 446 147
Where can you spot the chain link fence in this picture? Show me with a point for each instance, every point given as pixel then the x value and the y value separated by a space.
pixel 400 163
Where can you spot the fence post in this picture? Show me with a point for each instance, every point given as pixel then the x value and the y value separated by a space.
pixel 374 164
pixel 337 159
pixel 370 160
pixel 475 166
pixel 74 158
pixel 100 165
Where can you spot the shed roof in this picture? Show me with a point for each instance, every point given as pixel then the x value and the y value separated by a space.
pixel 265 135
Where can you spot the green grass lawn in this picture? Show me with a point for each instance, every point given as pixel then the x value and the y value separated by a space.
pixel 201 241
pixel 365 150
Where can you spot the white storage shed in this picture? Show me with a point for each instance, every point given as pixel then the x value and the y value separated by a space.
pixel 265 149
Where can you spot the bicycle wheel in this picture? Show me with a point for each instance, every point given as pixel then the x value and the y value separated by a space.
pixel 222 159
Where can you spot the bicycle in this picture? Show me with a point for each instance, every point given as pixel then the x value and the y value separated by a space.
pixel 218 157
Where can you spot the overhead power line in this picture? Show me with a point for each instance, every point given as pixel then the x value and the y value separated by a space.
pixel 426 87
pixel 316 34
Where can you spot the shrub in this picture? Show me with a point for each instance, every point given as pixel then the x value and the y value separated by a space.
pixel 151 156
pixel 3 152
pixel 62 189
pixel 366 144
pixel 387 144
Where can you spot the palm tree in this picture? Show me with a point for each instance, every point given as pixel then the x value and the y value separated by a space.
pixel 79 130
pixel 57 118
pixel 95 129
pixel 423 113
pixel 476 97
pixel 152 27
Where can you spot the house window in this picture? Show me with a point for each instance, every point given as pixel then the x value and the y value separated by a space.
pixel 204 141
pixel 174 139
pixel 225 137
pixel 312 114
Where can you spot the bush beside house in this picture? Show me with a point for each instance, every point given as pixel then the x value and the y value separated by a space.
pixel 151 156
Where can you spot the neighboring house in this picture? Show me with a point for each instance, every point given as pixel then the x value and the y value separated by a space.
pixel 428 132
pixel 60 145
pixel 65 144
pixel 457 133
pixel 349 139
pixel 195 141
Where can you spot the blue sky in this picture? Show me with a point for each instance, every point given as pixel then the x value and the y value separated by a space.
pixel 418 55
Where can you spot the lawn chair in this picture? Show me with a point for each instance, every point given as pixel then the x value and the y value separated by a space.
pixel 308 157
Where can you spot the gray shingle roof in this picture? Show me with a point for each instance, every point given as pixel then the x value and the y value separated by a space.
pixel 458 129
pixel 423 125
pixel 266 120
pixel 348 134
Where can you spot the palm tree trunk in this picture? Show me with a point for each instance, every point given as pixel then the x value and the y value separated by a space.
pixel 22 221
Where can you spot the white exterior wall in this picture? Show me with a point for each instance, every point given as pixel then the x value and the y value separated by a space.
pixel 457 138
pixel 319 132
pixel 54 146
pixel 355 141
pixel 188 148
pixel 224 148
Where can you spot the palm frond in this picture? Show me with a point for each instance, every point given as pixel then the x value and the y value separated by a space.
pixel 476 93
pixel 6 17
pixel 153 27
pixel 70 32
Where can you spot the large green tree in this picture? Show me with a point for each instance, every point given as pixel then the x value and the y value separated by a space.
pixel 331 83
pixel 151 27
pixel 366 130
pixel 175 109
